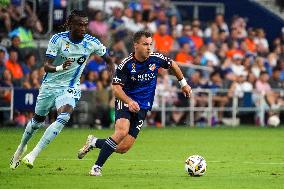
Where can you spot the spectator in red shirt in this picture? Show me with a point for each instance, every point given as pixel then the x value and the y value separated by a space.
pixel 6 81
pixel 13 66
pixel 183 56
pixel 233 49
pixel 198 41
pixel 163 41
pixel 249 41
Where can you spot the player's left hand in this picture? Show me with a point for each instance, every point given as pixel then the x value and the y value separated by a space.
pixel 186 91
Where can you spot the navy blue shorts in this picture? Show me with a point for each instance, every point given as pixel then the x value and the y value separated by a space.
pixel 136 119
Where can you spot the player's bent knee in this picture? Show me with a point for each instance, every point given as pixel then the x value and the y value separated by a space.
pixel 121 123
pixel 123 133
pixel 67 108
pixel 39 118
pixel 37 122
pixel 123 149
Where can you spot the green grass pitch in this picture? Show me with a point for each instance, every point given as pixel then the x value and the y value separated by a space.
pixel 243 157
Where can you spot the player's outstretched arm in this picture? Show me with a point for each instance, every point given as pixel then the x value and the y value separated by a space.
pixel 186 89
pixel 49 67
pixel 120 94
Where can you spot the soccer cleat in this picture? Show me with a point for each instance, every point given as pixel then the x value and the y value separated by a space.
pixel 28 160
pixel 96 171
pixel 87 147
pixel 15 160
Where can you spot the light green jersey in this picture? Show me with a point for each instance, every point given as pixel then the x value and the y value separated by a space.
pixel 61 48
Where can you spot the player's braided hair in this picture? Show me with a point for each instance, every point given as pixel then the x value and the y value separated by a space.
pixel 71 17
pixel 140 34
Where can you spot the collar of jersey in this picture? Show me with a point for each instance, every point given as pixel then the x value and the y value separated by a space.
pixel 133 55
pixel 75 42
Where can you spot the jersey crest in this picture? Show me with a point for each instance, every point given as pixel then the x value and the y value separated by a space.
pixel 67 46
pixel 152 67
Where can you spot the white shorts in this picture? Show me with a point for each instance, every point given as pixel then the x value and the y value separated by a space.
pixel 50 97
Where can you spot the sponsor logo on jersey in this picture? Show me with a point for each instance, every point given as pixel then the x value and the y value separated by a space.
pixel 81 60
pixel 68 58
pixel 143 77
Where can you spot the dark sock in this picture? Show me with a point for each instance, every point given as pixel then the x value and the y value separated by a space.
pixel 99 143
pixel 108 148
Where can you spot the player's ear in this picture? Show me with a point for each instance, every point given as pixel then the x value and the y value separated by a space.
pixel 135 44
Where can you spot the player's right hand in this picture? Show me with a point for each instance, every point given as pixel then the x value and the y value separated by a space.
pixel 66 64
pixel 133 106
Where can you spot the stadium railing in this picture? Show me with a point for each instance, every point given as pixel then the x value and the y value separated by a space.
pixel 253 102
pixel 250 102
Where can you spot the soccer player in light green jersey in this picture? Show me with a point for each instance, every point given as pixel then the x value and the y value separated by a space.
pixel 66 57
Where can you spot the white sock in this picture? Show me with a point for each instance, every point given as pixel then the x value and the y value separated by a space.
pixel 50 133
pixel 30 130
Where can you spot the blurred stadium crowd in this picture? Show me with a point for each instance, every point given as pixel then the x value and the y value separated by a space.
pixel 239 59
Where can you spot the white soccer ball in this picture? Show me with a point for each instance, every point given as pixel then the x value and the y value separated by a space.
pixel 195 165
pixel 273 121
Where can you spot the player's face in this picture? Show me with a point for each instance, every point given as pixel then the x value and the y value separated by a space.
pixel 143 47
pixel 79 26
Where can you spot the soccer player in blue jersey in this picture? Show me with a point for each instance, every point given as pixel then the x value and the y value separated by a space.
pixel 134 87
pixel 67 54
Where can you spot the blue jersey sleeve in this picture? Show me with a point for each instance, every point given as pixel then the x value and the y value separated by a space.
pixel 120 76
pixel 165 62
pixel 53 46
pixel 98 47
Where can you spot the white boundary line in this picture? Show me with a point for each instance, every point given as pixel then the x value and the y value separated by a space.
pixel 164 160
